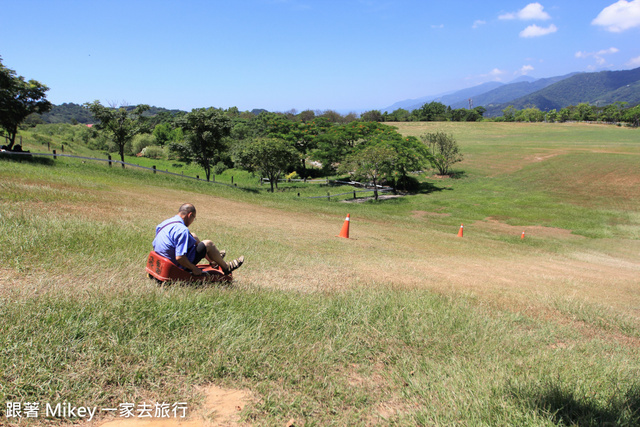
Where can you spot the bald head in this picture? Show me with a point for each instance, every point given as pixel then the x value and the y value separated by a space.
pixel 188 213
pixel 186 209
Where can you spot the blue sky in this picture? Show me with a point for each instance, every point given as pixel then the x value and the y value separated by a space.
pixel 305 54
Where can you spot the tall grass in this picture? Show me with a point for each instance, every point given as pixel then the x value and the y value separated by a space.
pixel 369 354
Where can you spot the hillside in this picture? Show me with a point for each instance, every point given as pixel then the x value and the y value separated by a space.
pixel 601 88
pixel 67 113
pixel 485 329
pixel 464 94
pixel 510 91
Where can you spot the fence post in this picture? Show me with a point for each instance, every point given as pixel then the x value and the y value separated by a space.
pixel 214 177
pixel 54 155
pixel 197 176
pixel 49 146
pixel 232 179
pixel 62 148
pixel 109 156
pixel 354 194
pixel 154 168
pixel 328 196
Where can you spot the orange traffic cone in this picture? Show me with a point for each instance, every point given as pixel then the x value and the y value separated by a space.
pixel 461 230
pixel 522 237
pixel 345 228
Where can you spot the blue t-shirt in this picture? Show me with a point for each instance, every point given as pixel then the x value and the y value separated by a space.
pixel 174 239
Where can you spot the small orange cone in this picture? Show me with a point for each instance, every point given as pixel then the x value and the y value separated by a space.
pixel 345 228
pixel 461 230
pixel 522 237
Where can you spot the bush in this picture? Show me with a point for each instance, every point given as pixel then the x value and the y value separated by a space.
pixel 408 183
pixel 153 152
pixel 141 141
pixel 219 168
pixel 292 175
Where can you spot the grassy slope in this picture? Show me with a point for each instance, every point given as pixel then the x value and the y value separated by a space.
pixel 403 323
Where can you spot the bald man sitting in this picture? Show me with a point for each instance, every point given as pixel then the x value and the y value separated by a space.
pixel 175 241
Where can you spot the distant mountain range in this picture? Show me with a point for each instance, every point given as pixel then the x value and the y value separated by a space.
pixel 602 88
pixel 599 89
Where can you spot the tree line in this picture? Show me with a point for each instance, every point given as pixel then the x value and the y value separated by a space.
pixel 617 112
pixel 272 144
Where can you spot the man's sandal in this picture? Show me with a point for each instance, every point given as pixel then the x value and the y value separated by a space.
pixel 234 265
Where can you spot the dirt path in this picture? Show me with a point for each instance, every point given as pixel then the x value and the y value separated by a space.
pixel 221 408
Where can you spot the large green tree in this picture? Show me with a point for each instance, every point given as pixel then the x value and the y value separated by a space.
pixel 119 123
pixel 19 99
pixel 270 156
pixel 373 162
pixel 206 130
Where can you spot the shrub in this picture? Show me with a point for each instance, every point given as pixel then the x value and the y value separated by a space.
pixel 408 183
pixel 219 168
pixel 141 141
pixel 153 152
pixel 292 175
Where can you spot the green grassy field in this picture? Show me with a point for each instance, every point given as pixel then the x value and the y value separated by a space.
pixel 403 324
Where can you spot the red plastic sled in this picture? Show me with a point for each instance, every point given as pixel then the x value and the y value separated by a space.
pixel 163 270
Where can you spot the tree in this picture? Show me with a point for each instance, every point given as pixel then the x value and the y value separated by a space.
pixel 431 112
pixel 509 113
pixel 372 116
pixel 205 132
pixel 584 113
pixel 373 162
pixel 119 123
pixel 307 116
pixel 632 116
pixel 409 154
pixel 269 156
pixel 564 114
pixel 332 116
pixel 19 99
pixel 531 114
pixel 444 151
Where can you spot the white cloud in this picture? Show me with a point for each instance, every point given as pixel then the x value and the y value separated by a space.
pixel 620 16
pixel 535 31
pixel 478 23
pixel 598 56
pixel 437 27
pixel 634 62
pixel 526 69
pixel 531 12
pixel 494 74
